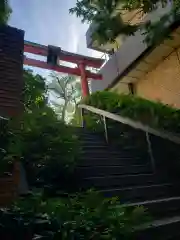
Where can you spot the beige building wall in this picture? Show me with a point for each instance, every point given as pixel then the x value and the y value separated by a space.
pixel 121 88
pixel 163 82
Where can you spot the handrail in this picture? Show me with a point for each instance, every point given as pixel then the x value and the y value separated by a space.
pixel 135 124
pixel 3 118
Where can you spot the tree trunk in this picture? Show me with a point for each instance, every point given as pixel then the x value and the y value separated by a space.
pixel 64 111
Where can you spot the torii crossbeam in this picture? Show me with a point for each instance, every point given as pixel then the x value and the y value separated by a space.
pixel 54 57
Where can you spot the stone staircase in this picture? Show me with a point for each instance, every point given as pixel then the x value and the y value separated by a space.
pixel 125 173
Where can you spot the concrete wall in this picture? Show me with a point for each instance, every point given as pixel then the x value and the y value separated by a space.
pixel 121 88
pixel 125 56
pixel 130 50
pixel 163 82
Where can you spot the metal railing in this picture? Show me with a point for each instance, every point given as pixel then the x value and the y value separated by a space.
pixel 134 124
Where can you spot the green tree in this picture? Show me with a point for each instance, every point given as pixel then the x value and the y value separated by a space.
pixel 67 92
pixel 110 23
pixel 35 91
pixel 5 11
pixel 46 146
pixel 34 100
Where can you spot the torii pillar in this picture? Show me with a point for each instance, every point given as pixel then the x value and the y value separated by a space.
pixel 84 80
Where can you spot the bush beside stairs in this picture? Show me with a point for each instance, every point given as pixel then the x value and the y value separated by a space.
pixel 126 173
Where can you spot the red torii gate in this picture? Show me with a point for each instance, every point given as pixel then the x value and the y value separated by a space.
pixel 12 50
pixel 55 54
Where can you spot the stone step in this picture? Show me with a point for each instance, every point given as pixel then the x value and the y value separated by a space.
pixel 163 229
pixel 143 193
pixel 91 138
pixel 93 143
pixel 102 151
pixel 93 171
pixel 107 182
pixel 95 147
pixel 106 160
pixel 83 135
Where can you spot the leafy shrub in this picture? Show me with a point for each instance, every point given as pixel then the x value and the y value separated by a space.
pixel 154 114
pixel 83 216
pixel 35 91
pixel 35 97
pixel 47 147
pixel 5 166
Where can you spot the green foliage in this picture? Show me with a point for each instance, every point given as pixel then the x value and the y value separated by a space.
pixel 108 25
pixel 46 145
pixel 35 91
pixel 5 165
pixel 5 11
pixel 83 216
pixel 34 98
pixel 109 28
pixel 106 15
pixel 154 114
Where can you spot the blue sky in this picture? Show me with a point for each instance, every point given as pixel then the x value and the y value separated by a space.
pixel 49 22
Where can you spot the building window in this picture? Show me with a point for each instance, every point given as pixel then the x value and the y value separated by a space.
pixel 132 88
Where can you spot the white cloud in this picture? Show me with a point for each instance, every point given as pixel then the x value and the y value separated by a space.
pixel 73 37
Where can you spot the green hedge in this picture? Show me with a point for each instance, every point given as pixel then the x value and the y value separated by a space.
pixel 82 216
pixel 154 114
pixel 48 148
